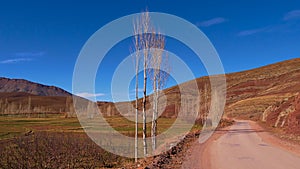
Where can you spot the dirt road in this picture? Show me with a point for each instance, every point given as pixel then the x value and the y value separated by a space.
pixel 241 147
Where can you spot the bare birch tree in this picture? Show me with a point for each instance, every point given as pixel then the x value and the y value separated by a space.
pixel 149 46
pixel 158 78
pixel 143 43
pixel 137 30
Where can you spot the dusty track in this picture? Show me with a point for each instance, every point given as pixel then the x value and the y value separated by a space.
pixel 245 146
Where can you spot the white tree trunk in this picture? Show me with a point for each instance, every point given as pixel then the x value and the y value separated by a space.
pixel 154 117
pixel 136 109
pixel 144 107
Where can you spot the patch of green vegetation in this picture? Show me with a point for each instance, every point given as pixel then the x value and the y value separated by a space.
pixel 12 126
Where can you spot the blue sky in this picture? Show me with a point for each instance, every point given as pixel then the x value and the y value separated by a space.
pixel 40 40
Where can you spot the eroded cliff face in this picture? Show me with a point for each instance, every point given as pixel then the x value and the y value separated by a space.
pixel 284 114
pixel 293 122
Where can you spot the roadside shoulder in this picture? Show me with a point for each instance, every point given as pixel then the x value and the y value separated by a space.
pixel 273 138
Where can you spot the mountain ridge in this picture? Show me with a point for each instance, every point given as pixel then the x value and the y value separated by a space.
pixel 8 85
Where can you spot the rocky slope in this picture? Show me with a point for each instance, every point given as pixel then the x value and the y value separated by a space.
pixel 284 115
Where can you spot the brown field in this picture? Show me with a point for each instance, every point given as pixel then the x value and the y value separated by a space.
pixel 58 142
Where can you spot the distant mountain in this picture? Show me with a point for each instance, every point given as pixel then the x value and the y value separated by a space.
pixel 24 86
pixel 18 96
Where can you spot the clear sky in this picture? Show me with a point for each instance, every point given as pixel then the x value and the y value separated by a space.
pixel 40 40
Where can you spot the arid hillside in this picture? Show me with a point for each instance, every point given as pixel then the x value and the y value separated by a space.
pixel 251 94
pixel 269 93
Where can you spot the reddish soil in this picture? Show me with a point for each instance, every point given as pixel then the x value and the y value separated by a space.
pixel 202 155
